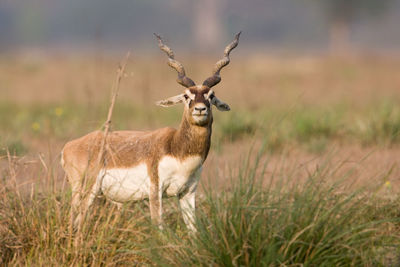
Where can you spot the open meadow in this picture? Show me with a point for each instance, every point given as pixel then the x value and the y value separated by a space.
pixel 304 169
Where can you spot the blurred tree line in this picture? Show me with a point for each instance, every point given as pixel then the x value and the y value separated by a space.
pixel 204 23
pixel 342 13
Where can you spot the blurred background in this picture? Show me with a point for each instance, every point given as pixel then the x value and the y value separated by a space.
pixel 108 26
pixel 309 76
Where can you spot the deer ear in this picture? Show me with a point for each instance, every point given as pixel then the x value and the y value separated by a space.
pixel 171 101
pixel 219 104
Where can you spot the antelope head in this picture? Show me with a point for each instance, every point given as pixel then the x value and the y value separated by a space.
pixel 197 99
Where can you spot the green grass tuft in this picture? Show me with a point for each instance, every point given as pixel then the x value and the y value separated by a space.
pixel 380 126
pixel 309 224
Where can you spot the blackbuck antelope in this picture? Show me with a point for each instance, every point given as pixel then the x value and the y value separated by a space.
pixel 150 165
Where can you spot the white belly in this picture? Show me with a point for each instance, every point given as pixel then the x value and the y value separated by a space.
pixel 125 184
pixel 129 184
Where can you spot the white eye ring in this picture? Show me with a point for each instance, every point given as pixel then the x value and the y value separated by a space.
pixel 189 94
pixel 209 95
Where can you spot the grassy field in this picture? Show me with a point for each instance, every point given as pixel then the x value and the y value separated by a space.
pixel 303 170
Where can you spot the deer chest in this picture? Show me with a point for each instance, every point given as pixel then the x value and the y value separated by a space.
pixel 177 175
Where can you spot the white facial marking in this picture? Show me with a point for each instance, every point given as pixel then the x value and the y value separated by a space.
pixel 200 113
pixel 207 96
pixel 189 94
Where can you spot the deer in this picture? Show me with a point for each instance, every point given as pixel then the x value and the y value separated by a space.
pixel 150 165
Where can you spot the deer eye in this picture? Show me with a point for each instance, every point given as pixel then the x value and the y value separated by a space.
pixel 186 96
pixel 211 96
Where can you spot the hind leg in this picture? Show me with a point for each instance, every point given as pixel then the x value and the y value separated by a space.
pixel 83 195
pixel 76 197
pixel 75 203
pixel 82 200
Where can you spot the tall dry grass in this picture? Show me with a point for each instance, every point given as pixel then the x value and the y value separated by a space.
pixel 258 219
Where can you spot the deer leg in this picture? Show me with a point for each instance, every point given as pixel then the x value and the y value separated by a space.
pixel 90 196
pixel 74 179
pixel 155 201
pixel 75 201
pixel 187 205
pixel 82 201
pixel 155 195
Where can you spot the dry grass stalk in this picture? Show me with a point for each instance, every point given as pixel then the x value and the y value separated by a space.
pixel 88 180
pixel 115 89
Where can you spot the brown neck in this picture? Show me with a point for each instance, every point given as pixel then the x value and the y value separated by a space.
pixel 190 140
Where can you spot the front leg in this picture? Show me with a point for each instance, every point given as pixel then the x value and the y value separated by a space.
pixel 187 204
pixel 155 199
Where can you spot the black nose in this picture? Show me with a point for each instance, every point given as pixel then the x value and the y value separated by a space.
pixel 200 109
